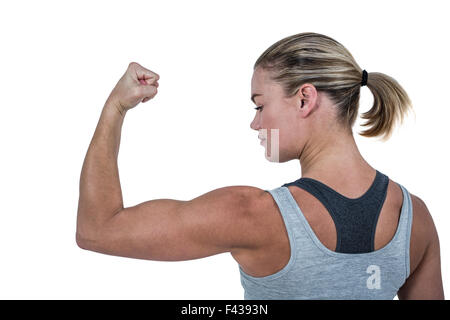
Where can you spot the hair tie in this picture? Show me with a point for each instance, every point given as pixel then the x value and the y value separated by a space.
pixel 364 78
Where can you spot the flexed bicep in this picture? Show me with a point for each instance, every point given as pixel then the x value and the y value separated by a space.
pixel 175 230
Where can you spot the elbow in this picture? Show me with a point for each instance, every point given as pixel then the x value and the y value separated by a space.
pixel 87 238
pixel 92 237
pixel 90 244
pixel 82 242
pixel 80 236
pixel 91 241
pixel 87 235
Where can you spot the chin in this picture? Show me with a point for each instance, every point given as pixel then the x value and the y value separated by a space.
pixel 280 160
pixel 278 156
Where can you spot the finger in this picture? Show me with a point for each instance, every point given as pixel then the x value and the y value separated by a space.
pixel 148 92
pixel 143 73
pixel 149 82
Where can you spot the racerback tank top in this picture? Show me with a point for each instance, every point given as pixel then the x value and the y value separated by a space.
pixel 354 270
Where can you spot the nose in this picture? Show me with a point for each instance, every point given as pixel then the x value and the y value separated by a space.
pixel 255 123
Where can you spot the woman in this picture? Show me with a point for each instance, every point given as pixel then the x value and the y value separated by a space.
pixel 344 230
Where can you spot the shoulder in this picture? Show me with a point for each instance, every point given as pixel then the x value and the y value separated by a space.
pixel 244 200
pixel 255 214
pixel 258 204
pixel 422 219
pixel 237 200
pixel 425 279
pixel 423 233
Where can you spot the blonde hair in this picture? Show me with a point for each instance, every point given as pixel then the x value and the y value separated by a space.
pixel 325 63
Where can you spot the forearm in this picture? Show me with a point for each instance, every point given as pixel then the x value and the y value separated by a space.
pixel 100 191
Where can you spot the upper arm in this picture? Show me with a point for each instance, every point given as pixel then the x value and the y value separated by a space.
pixel 174 230
pixel 425 282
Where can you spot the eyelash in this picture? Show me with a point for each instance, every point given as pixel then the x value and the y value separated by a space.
pixel 259 108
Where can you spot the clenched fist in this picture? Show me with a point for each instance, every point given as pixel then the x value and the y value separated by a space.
pixel 136 85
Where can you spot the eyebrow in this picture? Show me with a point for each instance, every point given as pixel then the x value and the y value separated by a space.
pixel 255 95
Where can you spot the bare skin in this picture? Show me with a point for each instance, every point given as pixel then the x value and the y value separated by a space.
pixel 243 220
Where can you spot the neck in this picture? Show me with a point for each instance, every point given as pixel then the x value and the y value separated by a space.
pixel 334 156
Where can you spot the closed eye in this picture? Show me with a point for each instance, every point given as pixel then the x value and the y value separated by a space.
pixel 259 108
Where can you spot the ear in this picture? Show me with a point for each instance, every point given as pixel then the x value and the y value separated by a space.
pixel 307 98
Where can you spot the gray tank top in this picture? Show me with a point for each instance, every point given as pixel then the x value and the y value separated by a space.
pixel 316 272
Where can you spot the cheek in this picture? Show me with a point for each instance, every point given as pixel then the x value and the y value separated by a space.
pixel 280 120
pixel 288 128
pixel 282 123
pixel 269 120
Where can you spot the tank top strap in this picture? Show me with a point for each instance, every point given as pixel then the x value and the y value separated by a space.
pixel 402 237
pixel 291 215
pixel 287 205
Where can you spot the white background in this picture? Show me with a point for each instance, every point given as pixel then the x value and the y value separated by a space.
pixel 60 60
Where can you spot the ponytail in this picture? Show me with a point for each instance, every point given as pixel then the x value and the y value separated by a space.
pixel 390 105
